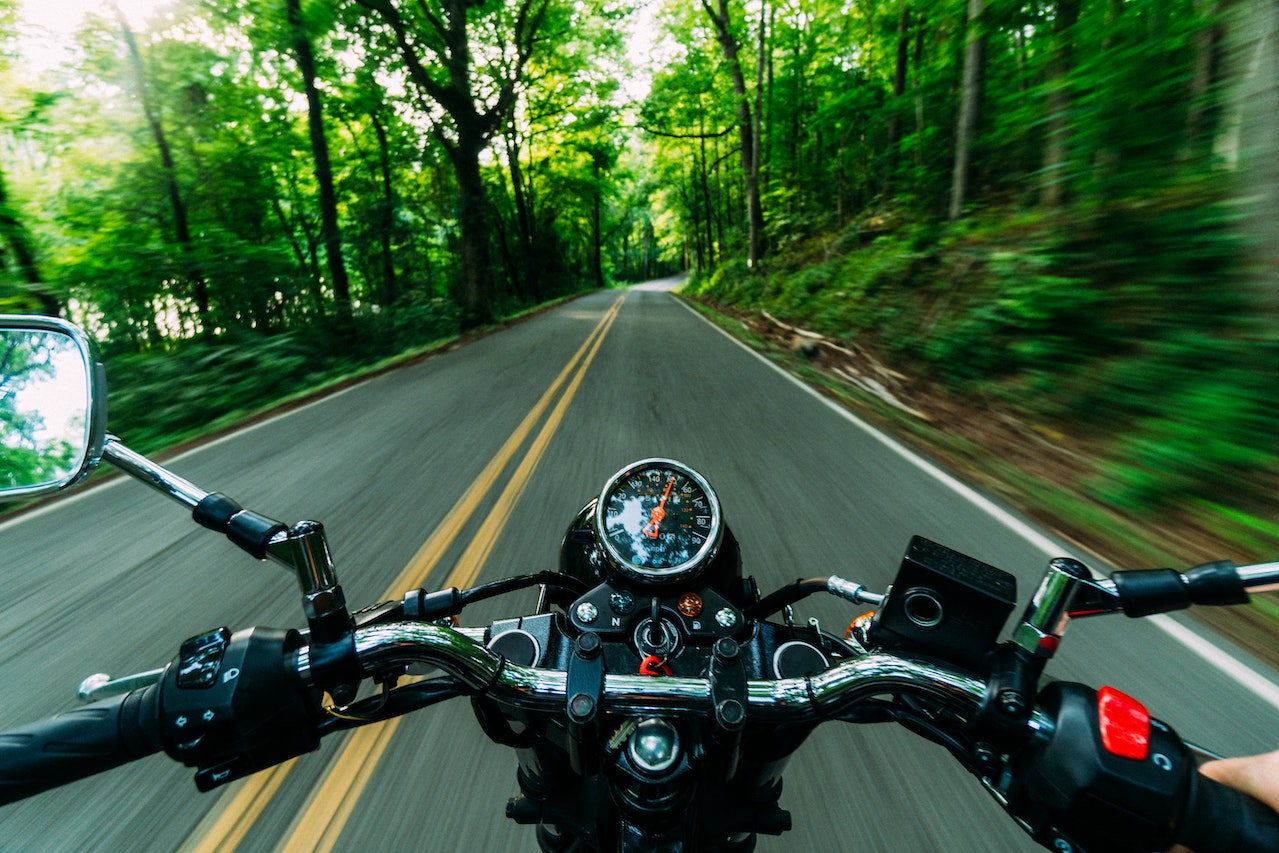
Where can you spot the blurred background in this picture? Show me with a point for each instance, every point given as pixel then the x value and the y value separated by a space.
pixel 1058 219
pixel 1061 210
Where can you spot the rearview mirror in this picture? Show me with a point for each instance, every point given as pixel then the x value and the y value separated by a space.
pixel 52 406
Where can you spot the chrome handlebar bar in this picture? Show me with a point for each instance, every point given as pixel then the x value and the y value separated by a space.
pixel 462 654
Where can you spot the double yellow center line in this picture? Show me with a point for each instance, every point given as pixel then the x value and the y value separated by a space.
pixel 319 823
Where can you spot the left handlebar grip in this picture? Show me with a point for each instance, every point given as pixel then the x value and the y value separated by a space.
pixel 78 742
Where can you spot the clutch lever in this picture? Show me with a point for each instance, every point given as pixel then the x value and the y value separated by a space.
pixel 101 686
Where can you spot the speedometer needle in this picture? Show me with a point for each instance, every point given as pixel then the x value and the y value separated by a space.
pixel 659 512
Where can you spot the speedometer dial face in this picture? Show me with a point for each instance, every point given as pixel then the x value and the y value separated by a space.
pixel 658 520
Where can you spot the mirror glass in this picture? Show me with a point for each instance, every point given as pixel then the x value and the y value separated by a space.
pixel 45 409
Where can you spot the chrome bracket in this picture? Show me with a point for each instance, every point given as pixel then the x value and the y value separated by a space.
pixel 1067 591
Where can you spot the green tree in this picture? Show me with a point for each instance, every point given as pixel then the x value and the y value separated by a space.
pixel 468 60
pixel 969 106
pixel 330 231
pixel 22 285
pixel 748 130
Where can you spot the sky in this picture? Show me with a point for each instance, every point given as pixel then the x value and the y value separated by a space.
pixel 47 25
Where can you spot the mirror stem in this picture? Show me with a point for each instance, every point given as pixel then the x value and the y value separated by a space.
pixel 158 478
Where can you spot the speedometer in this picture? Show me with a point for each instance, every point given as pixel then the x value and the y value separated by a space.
pixel 658 520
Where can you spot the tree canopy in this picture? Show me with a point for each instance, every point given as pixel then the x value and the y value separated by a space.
pixel 252 165
pixel 1075 196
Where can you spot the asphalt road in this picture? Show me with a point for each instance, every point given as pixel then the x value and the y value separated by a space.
pixel 114 578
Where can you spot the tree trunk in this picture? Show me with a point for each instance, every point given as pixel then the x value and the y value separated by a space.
pixel 1053 184
pixel 476 227
pixel 525 236
pixel 917 60
pixel 14 234
pixel 969 107
pixel 793 144
pixel 768 153
pixel 598 164
pixel 707 207
pixel 181 229
pixel 508 255
pixel 597 238
pixel 760 62
pixel 689 191
pixel 1251 143
pixel 330 233
pixel 390 285
pixel 899 89
pixel 1206 44
pixel 746 134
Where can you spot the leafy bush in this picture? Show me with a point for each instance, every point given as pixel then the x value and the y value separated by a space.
pixel 1126 320
pixel 1020 316
pixel 1210 432
pixel 163 396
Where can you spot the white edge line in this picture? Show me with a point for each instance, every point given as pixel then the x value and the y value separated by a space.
pixel 1263 687
pixel 1247 677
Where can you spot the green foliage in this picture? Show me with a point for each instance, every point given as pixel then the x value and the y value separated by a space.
pixel 161 397
pixel 1207 434
pixel 210 125
pixel 1119 306
pixel 1128 322
pixel 1020 315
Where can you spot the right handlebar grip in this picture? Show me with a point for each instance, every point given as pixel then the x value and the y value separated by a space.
pixel 1220 819
pixel 78 742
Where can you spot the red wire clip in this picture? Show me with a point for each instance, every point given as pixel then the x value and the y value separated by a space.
pixel 653 665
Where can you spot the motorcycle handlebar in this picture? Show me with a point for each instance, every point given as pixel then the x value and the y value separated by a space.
pixel 821 696
pixel 1214 818
pixel 79 742
pixel 84 741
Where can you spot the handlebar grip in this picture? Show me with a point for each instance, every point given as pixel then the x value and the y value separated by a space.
pixel 1219 819
pixel 77 743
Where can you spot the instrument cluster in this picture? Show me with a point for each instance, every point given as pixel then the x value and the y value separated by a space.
pixel 658 521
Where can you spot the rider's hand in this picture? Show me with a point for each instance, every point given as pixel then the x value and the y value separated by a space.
pixel 1255 775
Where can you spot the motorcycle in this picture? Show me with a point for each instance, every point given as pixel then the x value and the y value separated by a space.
pixel 654 697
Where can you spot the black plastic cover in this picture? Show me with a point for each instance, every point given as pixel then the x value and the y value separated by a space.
pixel 429 606
pixel 253 532
pixel 215 512
pixel 1148 591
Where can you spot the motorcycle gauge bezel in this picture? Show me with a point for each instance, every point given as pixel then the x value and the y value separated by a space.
pixel 654 575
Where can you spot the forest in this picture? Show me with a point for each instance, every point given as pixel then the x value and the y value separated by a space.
pixel 1060 208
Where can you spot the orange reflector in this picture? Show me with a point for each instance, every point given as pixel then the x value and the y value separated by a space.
pixel 689 604
pixel 858 622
